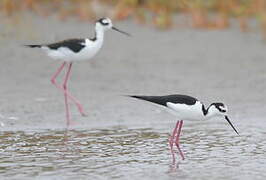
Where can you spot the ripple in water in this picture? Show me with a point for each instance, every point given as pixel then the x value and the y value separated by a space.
pixel 125 153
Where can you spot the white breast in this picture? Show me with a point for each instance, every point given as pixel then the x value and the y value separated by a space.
pixel 187 112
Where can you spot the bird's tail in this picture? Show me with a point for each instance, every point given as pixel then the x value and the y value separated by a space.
pixel 133 96
pixel 153 99
pixel 145 98
pixel 33 46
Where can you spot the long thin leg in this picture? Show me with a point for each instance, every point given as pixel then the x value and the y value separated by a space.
pixel 80 108
pixel 65 94
pixel 171 141
pixel 177 140
pixel 67 111
pixel 57 73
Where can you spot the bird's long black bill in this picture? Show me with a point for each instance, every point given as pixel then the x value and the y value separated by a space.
pixel 114 28
pixel 227 119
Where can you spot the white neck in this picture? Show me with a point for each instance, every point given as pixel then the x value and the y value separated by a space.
pixel 211 112
pixel 99 32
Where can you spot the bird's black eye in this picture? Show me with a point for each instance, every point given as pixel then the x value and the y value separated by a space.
pixel 221 108
pixel 103 21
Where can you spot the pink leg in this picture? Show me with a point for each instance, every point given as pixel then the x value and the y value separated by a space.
pixel 177 140
pixel 65 93
pixel 57 73
pixel 171 141
pixel 80 108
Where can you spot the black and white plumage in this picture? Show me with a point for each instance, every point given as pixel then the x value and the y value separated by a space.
pixel 163 100
pixel 189 108
pixel 73 50
pixel 79 49
pixel 74 45
pixel 186 108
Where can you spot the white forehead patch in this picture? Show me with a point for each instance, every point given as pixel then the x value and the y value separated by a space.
pixel 105 21
pixel 223 108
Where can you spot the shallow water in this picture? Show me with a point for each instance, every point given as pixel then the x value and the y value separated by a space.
pixel 123 153
pixel 225 66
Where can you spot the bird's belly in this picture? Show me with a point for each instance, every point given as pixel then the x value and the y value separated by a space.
pixel 67 55
pixel 85 54
pixel 189 115
pixel 187 112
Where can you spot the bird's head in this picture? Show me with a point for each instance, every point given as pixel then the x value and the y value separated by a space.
pixel 220 110
pixel 106 24
pixel 217 109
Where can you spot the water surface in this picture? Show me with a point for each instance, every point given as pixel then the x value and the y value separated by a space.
pixel 124 153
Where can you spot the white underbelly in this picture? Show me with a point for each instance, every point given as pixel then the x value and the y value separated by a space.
pixel 187 112
pixel 66 54
pixel 191 116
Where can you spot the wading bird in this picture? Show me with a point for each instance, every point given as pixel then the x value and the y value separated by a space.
pixel 72 50
pixel 186 108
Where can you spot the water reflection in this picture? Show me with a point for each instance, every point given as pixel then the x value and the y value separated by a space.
pixel 121 152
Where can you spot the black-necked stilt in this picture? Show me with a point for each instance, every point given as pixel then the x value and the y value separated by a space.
pixel 72 50
pixel 186 108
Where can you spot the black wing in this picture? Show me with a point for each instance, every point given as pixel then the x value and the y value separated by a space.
pixel 74 44
pixel 175 98
pixel 33 45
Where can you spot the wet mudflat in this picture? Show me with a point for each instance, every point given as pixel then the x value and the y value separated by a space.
pixel 123 138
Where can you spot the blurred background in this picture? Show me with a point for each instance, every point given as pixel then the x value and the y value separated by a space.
pixel 209 14
pixel 211 49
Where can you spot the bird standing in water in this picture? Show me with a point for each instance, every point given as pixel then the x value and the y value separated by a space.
pixel 186 108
